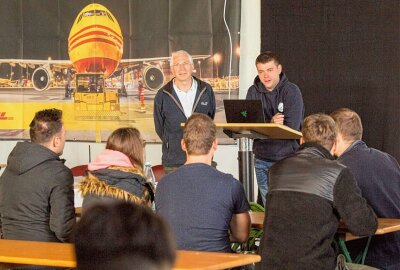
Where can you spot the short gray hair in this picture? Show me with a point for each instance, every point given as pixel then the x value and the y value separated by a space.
pixel 171 63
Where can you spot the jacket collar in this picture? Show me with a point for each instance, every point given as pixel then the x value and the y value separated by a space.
pixel 315 148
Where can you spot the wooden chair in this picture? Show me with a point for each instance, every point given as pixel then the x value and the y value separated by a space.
pixel 158 171
pixel 79 170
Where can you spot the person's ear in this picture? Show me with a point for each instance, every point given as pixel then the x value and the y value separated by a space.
pixel 280 68
pixel 334 147
pixel 183 145
pixel 215 144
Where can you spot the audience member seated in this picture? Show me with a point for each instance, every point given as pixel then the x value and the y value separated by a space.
pixel 308 193
pixel 117 172
pixel 123 236
pixel 378 176
pixel 205 208
pixel 36 188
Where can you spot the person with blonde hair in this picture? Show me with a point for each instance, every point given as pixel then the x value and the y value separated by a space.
pixel 117 172
pixel 309 193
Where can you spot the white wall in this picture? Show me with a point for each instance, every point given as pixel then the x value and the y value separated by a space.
pixel 226 156
pixel 77 153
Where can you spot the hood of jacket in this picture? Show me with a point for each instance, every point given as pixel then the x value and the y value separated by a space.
pixel 27 155
pixel 109 158
pixel 113 182
pixel 261 88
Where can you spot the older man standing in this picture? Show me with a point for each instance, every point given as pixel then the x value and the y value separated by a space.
pixel 174 104
pixel 36 188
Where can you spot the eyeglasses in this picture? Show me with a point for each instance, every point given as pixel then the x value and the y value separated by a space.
pixel 184 64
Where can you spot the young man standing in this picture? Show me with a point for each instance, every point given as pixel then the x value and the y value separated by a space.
pixel 206 209
pixel 282 104
pixel 174 104
pixel 36 188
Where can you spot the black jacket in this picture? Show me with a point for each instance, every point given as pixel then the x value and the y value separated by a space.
pixel 289 95
pixel 36 195
pixel 169 114
pixel 120 183
pixel 308 193
pixel 378 176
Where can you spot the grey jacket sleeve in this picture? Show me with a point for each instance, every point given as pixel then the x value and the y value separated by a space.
pixel 358 216
pixel 62 209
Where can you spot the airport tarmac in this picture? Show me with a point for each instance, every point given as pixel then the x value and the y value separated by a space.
pixel 18 106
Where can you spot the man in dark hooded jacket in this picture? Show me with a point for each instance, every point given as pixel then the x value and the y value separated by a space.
pixel 36 188
pixel 282 104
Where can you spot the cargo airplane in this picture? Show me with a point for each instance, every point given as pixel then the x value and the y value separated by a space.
pixel 95 46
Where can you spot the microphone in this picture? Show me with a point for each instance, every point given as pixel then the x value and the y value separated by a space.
pixel 280 107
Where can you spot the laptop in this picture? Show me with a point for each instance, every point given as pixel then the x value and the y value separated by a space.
pixel 243 111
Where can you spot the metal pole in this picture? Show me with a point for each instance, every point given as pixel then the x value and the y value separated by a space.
pixel 246 166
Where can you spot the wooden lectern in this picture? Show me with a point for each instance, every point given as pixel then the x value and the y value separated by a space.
pixel 246 133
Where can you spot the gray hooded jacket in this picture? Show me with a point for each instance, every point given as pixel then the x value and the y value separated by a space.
pixel 36 195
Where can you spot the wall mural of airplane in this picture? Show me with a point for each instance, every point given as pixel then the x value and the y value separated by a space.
pixel 95 47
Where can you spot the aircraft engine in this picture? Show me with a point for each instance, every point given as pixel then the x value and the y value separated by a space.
pixel 153 78
pixel 42 78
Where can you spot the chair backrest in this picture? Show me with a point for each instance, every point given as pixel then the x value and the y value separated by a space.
pixel 158 171
pixel 79 170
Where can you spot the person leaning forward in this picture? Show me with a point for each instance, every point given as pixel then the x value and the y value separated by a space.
pixel 175 102
pixel 378 176
pixel 309 192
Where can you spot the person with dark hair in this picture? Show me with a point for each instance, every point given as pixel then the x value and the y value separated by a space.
pixel 123 236
pixel 282 104
pixel 309 192
pixel 175 102
pixel 205 208
pixel 36 188
pixel 117 172
pixel 378 176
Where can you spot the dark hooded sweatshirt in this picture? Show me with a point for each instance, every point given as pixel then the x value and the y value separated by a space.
pixel 36 195
pixel 289 95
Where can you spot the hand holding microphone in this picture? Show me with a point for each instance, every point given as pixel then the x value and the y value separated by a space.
pixel 279 117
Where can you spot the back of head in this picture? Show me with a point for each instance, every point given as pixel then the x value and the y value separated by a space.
pixel 123 236
pixel 45 125
pixel 199 134
pixel 266 57
pixel 348 123
pixel 319 128
pixel 128 141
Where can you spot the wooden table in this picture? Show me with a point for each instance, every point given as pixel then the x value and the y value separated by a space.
pixel 14 252
pixel 385 225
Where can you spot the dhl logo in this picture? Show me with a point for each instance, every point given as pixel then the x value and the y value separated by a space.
pixel 4 117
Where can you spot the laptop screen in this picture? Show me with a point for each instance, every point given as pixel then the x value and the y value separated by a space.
pixel 243 111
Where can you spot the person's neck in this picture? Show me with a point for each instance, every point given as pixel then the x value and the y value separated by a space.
pixel 206 159
pixel 184 85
